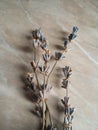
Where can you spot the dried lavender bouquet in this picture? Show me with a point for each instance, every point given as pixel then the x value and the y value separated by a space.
pixel 40 87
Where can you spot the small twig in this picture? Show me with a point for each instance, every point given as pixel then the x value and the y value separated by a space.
pixel 43 103
pixel 51 71
pixel 37 80
pixel 46 116
pixel 35 55
pixel 67 92
pixel 51 123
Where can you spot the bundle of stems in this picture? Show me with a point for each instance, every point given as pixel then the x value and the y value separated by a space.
pixel 40 91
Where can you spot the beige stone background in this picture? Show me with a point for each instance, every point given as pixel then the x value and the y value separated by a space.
pixel 56 18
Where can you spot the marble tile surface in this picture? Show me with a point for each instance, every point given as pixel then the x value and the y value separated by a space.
pixel 56 18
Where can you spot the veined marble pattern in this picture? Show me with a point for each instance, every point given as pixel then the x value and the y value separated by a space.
pixel 55 17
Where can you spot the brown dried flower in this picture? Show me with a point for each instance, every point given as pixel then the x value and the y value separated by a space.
pixel 33 64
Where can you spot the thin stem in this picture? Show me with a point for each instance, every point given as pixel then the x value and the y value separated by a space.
pixel 37 79
pixel 51 123
pixel 43 104
pixel 63 124
pixel 46 116
pixel 35 55
pixel 67 92
pixel 34 52
pixel 45 64
pixel 43 116
pixel 51 71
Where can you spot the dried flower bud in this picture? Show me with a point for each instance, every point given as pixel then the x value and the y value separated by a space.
pixel 72 36
pixel 42 38
pixel 30 81
pixel 66 43
pixel 42 68
pixel 33 64
pixel 65 120
pixel 75 29
pixel 44 45
pixel 39 33
pixel 38 111
pixel 36 96
pixel 58 55
pixel 47 56
pixel 36 33
pixel 67 71
pixel 49 127
pixel 64 84
pixel 65 101
pixel 36 43
pixel 33 86
pixel 69 110
pixel 29 76
pixel 43 86
pixel 68 121
pixel 71 118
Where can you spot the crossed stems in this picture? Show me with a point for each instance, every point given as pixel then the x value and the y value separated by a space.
pixel 44 103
